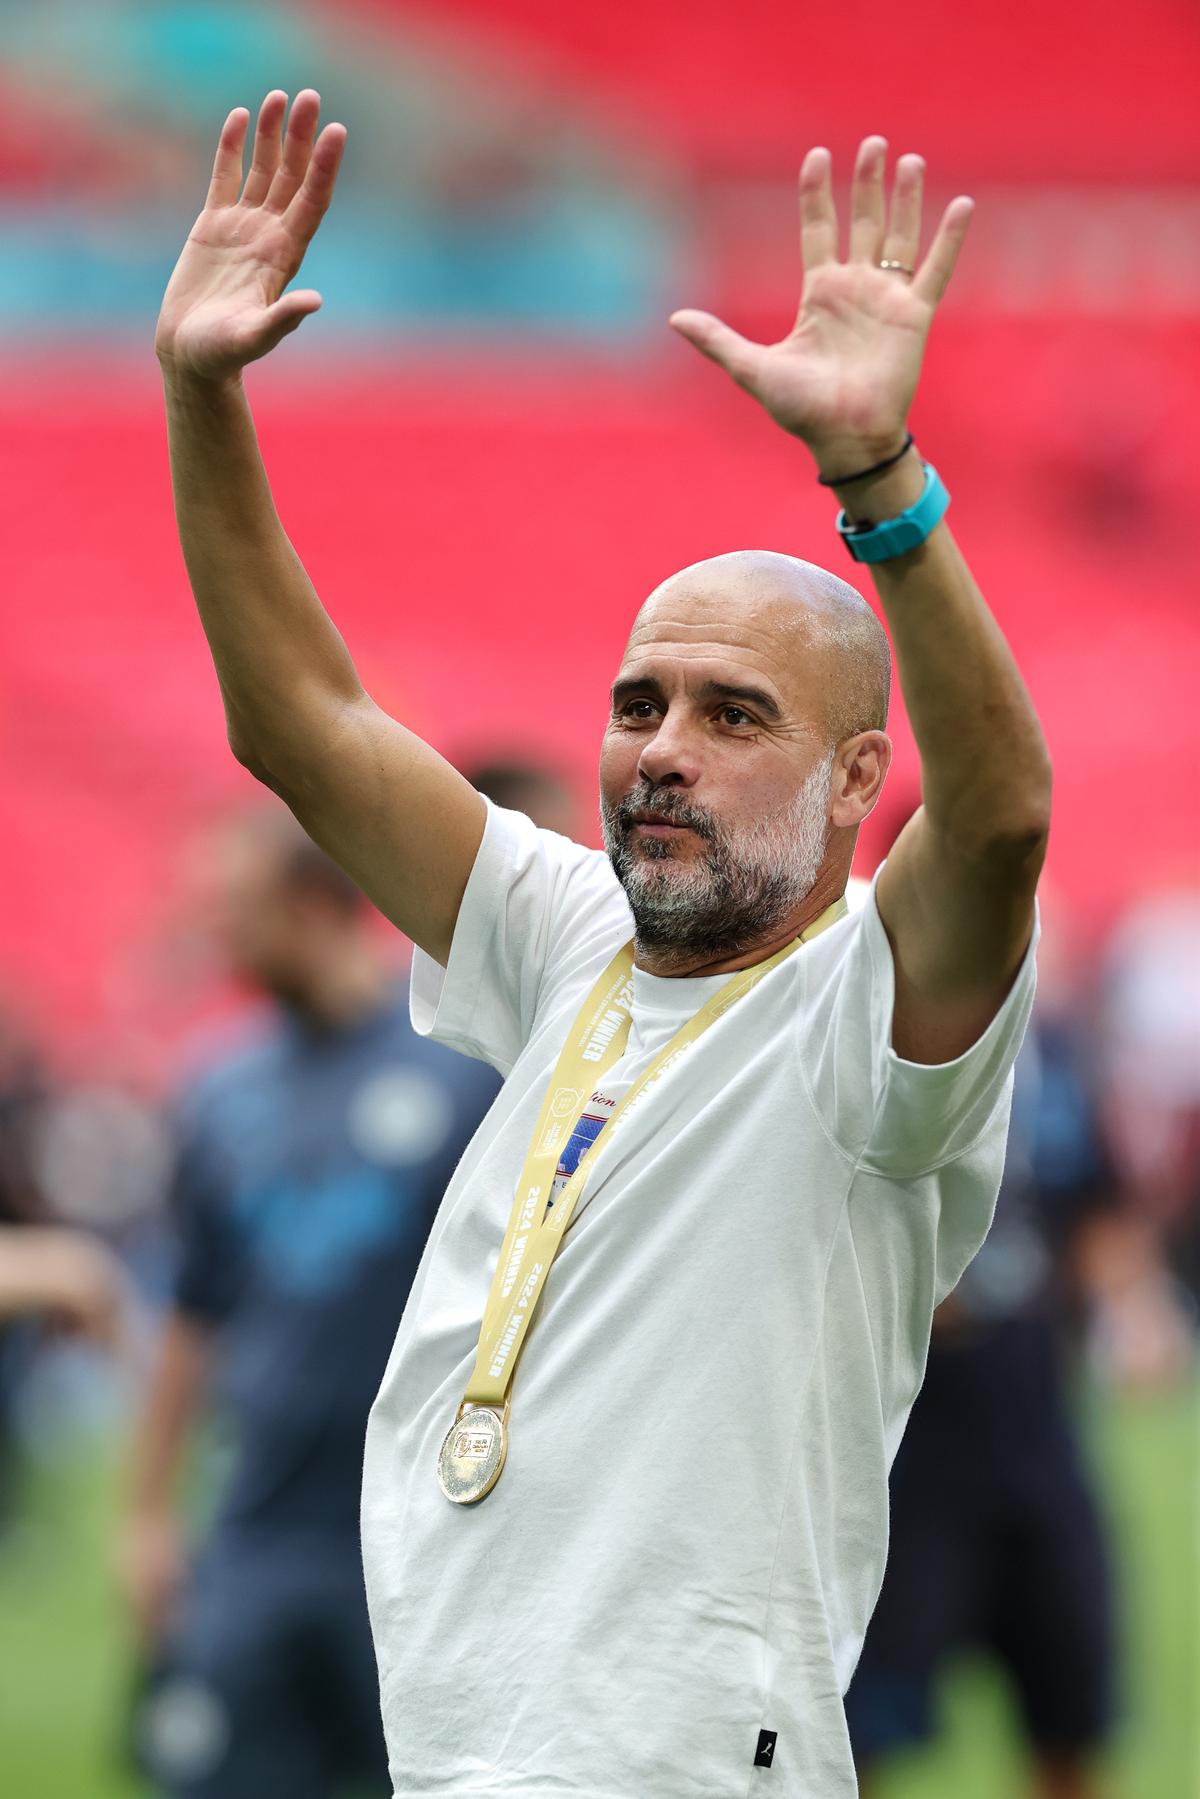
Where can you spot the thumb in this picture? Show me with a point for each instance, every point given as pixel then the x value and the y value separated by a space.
pixel 736 355
pixel 285 315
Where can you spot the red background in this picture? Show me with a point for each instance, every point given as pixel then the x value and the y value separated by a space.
pixel 483 537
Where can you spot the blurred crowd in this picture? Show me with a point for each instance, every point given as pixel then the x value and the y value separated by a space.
pixel 237 1241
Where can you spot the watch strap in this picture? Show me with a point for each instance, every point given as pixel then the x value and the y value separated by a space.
pixel 896 536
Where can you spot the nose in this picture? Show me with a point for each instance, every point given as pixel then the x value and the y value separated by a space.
pixel 671 757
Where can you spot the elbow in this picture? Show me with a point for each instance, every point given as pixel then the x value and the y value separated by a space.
pixel 1037 795
pixel 239 748
pixel 1019 832
pixel 244 753
pixel 1008 828
pixel 245 745
pixel 1021 845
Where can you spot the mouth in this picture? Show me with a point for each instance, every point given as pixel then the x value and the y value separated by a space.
pixel 658 827
pixel 654 825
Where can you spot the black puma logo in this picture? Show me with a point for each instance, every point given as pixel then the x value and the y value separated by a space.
pixel 765 1753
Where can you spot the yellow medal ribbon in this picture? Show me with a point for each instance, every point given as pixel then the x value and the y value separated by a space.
pixel 596 1041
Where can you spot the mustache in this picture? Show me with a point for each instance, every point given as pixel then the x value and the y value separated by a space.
pixel 669 806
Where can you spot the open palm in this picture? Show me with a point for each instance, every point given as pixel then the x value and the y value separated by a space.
pixel 846 372
pixel 225 303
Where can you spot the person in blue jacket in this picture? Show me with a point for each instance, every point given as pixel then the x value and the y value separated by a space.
pixel 311 1159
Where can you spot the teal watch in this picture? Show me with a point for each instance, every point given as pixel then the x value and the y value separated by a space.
pixel 895 536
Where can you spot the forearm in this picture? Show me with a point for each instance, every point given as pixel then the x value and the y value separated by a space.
pixel 27 1271
pixel 985 770
pixel 280 661
pixel 65 1273
pixel 164 1425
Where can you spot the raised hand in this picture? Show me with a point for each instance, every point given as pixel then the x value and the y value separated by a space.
pixel 844 377
pixel 225 304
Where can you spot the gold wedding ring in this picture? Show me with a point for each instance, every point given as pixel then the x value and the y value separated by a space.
pixel 903 267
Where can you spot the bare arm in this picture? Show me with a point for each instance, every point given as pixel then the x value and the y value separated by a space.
pixel 392 811
pixel 956 896
pixel 62 1274
pixel 151 1553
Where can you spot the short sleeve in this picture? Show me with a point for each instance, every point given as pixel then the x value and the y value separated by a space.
pixel 536 905
pixel 891 1116
pixel 209 1256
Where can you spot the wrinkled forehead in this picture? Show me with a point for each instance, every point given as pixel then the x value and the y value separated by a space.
pixel 744 615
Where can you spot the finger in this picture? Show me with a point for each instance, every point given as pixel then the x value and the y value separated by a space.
pixel 736 355
pixel 933 276
pixel 226 183
pixel 866 200
pixel 287 315
pixel 316 190
pixel 903 240
pixel 297 150
pixel 818 215
pixel 265 159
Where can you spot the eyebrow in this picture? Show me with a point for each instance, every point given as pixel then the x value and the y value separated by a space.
pixel 631 686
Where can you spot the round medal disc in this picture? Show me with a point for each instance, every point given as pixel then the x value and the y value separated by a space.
pixel 472 1457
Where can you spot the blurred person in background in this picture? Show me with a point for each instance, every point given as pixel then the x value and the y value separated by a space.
pixel 24 1091
pixel 1144 1264
pixel 311 1160
pixel 997 1542
pixel 528 787
pixel 49 1272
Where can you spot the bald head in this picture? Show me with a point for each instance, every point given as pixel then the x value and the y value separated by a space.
pixel 812 624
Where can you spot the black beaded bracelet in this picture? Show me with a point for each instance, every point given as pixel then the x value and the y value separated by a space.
pixel 875 469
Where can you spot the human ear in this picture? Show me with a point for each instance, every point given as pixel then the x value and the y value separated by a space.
pixel 860 765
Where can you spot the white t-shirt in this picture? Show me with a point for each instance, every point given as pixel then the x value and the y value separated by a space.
pixel 689 1535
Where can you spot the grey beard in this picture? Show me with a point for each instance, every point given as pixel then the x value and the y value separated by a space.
pixel 738 891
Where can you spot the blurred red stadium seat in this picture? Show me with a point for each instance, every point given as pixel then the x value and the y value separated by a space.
pixel 483 532
pixel 1083 89
pixel 464 514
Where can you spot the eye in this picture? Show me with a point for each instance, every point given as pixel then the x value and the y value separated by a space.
pixel 638 710
pixel 735 715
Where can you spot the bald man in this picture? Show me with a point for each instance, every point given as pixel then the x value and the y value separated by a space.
pixel 746 1141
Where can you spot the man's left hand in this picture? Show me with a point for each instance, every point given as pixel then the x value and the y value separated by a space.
pixel 844 377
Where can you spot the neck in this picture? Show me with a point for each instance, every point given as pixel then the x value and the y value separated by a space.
pixel 829 885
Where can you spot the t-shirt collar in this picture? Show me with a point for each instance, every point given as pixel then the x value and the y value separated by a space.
pixel 667 995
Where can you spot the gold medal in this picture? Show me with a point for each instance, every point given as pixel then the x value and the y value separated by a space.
pixel 472 1456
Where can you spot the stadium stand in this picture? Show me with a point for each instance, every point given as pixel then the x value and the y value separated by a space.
pixel 528 191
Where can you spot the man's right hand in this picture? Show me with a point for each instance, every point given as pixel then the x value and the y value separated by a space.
pixel 225 304
pixel 402 822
